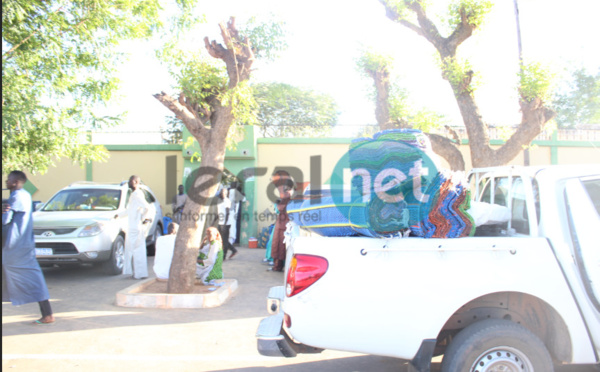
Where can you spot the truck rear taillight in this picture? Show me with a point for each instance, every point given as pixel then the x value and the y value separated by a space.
pixel 304 271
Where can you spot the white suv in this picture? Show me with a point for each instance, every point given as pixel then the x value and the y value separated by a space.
pixel 77 225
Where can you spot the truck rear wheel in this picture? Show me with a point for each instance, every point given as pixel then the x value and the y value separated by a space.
pixel 496 345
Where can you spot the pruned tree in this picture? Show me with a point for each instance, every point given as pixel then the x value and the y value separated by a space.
pixel 392 109
pixel 465 16
pixel 210 102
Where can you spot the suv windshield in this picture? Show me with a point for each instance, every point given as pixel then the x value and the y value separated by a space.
pixel 84 199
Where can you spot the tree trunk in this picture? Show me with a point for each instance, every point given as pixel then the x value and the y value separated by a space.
pixel 196 214
pixel 382 104
pixel 477 131
pixel 200 196
pixel 183 265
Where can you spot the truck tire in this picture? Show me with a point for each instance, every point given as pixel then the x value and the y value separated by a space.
pixel 496 345
pixel 114 266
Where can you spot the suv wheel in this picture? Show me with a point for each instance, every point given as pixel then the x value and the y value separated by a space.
pixel 114 266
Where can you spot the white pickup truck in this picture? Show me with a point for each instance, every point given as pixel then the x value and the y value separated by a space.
pixel 520 296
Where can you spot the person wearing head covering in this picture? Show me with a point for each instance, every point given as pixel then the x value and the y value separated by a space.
pixel 138 211
pixel 284 184
pixel 22 278
pixel 165 245
pixel 209 265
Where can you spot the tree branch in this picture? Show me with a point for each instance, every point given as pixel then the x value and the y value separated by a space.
pixel 461 33
pixel 448 150
pixel 237 55
pixel 188 106
pixel 181 111
pixel 455 136
pixel 412 27
pixel 534 118
pixel 226 33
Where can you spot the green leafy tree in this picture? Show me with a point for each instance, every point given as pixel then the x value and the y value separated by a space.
pixel 393 109
pixel 579 102
pixel 288 111
pixel 58 61
pixel 213 101
pixel 463 19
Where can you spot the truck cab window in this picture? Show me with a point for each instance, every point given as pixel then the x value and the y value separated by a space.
pixel 500 191
pixel 520 218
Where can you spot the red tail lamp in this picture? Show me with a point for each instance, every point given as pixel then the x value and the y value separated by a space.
pixel 304 271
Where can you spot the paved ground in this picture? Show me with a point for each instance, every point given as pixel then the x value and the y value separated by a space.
pixel 92 334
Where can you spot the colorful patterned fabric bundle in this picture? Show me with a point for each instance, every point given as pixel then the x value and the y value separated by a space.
pixel 387 168
pixel 397 150
pixel 395 185
pixel 445 215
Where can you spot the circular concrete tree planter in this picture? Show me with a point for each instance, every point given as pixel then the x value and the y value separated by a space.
pixel 137 296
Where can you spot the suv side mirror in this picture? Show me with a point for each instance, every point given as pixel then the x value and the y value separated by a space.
pixel 37 205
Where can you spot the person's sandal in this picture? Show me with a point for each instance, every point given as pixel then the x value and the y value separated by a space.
pixel 233 255
pixel 39 322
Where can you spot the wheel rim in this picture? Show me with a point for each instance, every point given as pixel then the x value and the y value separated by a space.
pixel 502 359
pixel 120 254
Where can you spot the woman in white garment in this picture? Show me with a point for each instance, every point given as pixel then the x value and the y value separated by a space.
pixel 165 245
pixel 209 265
pixel 136 263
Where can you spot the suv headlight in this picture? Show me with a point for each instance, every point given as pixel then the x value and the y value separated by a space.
pixel 91 230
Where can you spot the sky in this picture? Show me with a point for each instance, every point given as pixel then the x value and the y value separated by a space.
pixel 326 35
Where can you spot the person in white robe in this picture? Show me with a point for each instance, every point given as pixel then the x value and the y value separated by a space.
pixel 165 246
pixel 138 211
